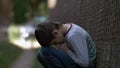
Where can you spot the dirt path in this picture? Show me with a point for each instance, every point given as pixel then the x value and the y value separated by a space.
pixel 25 60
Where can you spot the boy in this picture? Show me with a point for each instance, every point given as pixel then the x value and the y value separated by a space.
pixel 48 56
pixel 73 40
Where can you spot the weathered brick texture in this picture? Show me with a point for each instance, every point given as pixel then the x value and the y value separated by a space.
pixel 101 18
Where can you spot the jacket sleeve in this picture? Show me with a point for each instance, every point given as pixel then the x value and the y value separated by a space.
pixel 80 54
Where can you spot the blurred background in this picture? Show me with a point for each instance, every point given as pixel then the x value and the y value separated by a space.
pixel 18 19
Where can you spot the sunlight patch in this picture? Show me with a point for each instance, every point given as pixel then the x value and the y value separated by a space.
pixel 26 44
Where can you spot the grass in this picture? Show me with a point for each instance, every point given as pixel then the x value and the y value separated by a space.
pixel 8 54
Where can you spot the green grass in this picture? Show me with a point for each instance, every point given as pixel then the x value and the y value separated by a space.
pixel 8 54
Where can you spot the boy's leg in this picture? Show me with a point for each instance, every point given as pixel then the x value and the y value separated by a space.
pixel 42 60
pixel 53 58
pixel 47 59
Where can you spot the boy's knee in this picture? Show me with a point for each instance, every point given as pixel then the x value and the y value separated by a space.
pixel 39 55
pixel 42 53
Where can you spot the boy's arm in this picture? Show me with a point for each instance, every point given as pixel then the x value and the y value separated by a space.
pixel 80 54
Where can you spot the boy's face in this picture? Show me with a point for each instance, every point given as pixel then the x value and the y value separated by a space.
pixel 59 37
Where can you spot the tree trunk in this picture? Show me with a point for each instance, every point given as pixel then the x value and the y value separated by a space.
pixel 5 12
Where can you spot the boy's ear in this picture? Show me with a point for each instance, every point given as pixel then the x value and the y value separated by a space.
pixel 55 32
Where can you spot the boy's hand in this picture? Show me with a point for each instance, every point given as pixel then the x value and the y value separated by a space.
pixel 63 47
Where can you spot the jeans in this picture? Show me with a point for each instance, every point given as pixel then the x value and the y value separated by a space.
pixel 50 57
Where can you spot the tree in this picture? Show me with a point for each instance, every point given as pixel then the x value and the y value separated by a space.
pixel 4 12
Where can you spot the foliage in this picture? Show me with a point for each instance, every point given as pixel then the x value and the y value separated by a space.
pixel 13 32
pixel 43 9
pixel 20 10
pixel 26 9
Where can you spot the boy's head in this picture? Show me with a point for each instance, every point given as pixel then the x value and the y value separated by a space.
pixel 48 33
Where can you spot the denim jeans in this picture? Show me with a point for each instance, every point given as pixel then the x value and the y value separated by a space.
pixel 50 57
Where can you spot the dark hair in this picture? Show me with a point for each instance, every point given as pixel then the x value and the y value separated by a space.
pixel 43 32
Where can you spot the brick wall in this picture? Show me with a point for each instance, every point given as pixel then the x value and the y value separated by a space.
pixel 101 18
